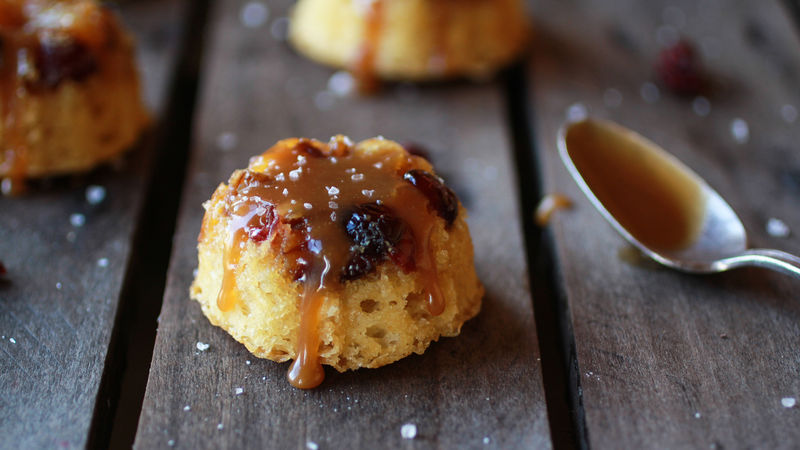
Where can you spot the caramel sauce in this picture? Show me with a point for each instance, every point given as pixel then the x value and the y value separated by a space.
pixel 37 52
pixel 648 194
pixel 549 205
pixel 301 197
pixel 363 68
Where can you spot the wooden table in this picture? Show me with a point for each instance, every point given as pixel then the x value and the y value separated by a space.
pixel 578 344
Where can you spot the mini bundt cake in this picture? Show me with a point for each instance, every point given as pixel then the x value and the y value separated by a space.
pixel 69 91
pixel 339 254
pixel 411 39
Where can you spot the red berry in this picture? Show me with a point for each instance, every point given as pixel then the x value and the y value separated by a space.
pixel 680 70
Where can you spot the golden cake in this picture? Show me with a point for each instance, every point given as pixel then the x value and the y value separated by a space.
pixel 69 91
pixel 411 39
pixel 339 254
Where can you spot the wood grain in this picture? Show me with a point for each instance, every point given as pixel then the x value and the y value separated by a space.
pixel 484 385
pixel 670 360
pixel 59 300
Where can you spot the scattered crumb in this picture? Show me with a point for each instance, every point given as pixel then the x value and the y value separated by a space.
pixel 697 415
pixel 187 408
pixel 220 426
pixel 311 445
pixel 12 340
pixel 778 228
pixel 788 402
pixel 408 431
pixel 548 205
pixel 95 194
pixel 724 335
pixel 77 220
pixel 238 391
pixel 202 346
pixel 171 442
pixel 58 285
pixel 247 362
pixel 486 440
pixel 102 262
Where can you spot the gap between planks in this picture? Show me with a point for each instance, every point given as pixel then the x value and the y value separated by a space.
pixel 556 342
pixel 119 401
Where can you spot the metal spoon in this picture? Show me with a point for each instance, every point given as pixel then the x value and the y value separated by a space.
pixel 646 194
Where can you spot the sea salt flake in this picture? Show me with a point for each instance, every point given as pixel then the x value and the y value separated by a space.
pixel 202 346
pixel 341 83
pixel 408 431
pixel 486 440
pixel 12 340
pixel 650 92
pixel 254 14
pixel 227 141
pixel 102 262
pixel 740 130
pixel 357 176
pixel 307 205
pixel 247 362
pixel 697 415
pixel 367 192
pixel 332 190
pixel 576 112
pixel 777 228
pixel 788 402
pixel 58 285
pixel 324 100
pixel 311 445
pixel 238 391
pixel 280 28
pixel 220 426
pixel 77 219
pixel 789 113
pixel 701 106
pixel 95 194
pixel 187 408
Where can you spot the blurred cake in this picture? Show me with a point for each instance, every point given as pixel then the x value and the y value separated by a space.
pixel 69 91
pixel 411 39
pixel 339 254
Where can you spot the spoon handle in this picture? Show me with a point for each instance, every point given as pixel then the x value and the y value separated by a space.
pixel 766 258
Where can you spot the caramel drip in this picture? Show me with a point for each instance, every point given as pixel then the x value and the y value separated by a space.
pixel 298 197
pixel 415 212
pixel 306 371
pixel 364 69
pixel 549 204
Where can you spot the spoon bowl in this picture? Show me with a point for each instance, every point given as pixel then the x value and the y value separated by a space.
pixel 659 204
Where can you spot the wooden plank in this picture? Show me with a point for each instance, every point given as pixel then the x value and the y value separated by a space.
pixel 669 360
pixel 60 298
pixel 484 386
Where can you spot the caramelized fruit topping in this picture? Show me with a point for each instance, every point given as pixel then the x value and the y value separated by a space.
pixel 336 214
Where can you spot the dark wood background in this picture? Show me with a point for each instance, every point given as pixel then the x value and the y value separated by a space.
pixel 577 346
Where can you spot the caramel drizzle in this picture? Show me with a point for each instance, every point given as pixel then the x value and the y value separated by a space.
pixel 364 67
pixel 326 246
